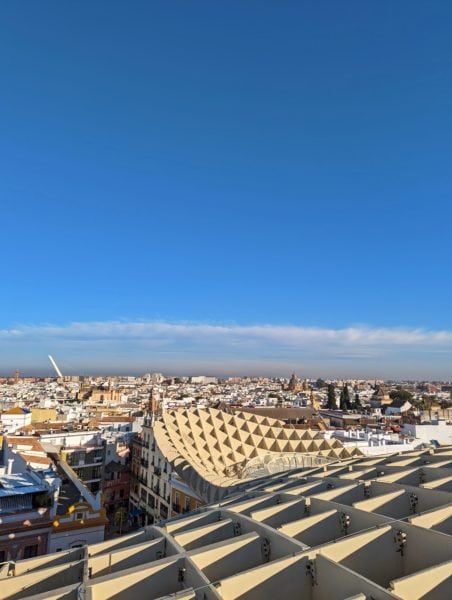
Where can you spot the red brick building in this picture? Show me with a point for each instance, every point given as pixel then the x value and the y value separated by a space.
pixel 116 487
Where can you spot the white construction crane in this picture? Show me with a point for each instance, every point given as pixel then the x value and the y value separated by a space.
pixel 55 366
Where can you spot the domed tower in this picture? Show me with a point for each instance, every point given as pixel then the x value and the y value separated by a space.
pixel 380 397
pixel 295 384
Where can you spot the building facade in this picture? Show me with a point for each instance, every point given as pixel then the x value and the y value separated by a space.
pixel 152 479
pixel 116 487
pixel 83 451
pixel 15 419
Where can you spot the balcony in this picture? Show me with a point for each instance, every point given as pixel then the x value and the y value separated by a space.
pixel 114 483
pixel 83 464
pixel 134 495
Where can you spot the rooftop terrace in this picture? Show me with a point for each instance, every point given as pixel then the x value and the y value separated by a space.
pixel 375 528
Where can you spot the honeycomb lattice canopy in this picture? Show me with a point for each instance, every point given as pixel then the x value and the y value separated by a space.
pixel 210 449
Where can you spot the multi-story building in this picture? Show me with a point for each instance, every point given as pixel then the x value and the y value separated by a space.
pixel 123 426
pixel 158 475
pixel 84 451
pixel 28 505
pixel 150 498
pixel 183 498
pixel 116 487
pixel 80 517
pixel 437 432
pixel 154 479
pixel 44 506
pixel 157 492
pixel 88 464
pixel 15 419
pixel 137 511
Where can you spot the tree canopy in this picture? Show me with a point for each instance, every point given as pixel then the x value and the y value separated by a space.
pixel 357 402
pixel 331 402
pixel 345 403
pixel 401 394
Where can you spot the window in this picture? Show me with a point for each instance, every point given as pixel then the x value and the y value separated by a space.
pixel 31 551
pixel 76 458
pixel 79 516
pixel 187 504
pixel 121 493
pixel 2 556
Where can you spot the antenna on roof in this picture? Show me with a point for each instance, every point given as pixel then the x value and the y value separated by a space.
pixel 55 366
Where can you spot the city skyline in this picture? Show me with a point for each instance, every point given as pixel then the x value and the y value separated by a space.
pixel 284 168
pixel 135 347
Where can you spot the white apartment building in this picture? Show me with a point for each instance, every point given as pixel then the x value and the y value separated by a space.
pixel 153 499
pixel 15 418
pixel 373 444
pixel 438 432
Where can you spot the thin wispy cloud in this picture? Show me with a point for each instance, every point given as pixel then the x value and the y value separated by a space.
pixel 136 345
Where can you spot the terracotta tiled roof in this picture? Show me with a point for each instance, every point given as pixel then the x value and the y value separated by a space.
pixel 25 443
pixel 17 411
pixel 32 458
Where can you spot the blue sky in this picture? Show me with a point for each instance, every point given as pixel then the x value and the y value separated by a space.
pixel 246 167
